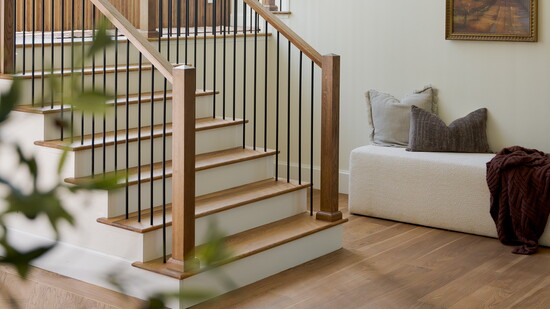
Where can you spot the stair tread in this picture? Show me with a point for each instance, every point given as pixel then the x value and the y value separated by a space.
pixel 207 204
pixel 202 124
pixel 253 241
pixel 121 100
pixel 203 162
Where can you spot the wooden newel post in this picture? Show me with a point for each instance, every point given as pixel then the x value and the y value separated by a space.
pixel 7 37
pixel 330 130
pixel 183 169
pixel 270 5
pixel 148 14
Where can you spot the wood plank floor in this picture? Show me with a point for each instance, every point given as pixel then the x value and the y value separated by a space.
pixel 384 264
pixel 387 264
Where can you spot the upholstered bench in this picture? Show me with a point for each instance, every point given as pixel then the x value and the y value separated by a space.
pixel 442 190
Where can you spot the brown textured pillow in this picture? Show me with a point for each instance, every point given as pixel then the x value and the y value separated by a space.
pixel 429 133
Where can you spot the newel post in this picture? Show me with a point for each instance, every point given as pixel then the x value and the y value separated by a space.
pixel 7 37
pixel 270 5
pixel 148 14
pixel 183 168
pixel 330 130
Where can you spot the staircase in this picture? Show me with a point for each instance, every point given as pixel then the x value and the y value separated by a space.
pixel 193 152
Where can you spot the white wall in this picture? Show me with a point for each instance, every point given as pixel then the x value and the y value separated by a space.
pixel 398 46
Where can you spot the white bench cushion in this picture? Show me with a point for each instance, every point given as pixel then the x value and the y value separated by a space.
pixel 443 190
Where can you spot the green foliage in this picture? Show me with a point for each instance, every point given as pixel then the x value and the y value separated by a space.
pixel 8 100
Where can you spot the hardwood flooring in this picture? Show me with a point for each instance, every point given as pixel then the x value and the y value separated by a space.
pixel 383 264
pixel 387 264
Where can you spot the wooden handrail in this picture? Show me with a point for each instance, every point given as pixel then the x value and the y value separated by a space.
pixel 7 37
pixel 294 38
pixel 139 41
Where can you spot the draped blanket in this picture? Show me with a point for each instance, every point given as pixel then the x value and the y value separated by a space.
pixel 519 182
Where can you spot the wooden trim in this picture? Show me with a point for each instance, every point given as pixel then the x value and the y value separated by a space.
pixel 139 41
pixel 7 37
pixel 183 167
pixel 294 38
pixel 330 130
pixel 147 18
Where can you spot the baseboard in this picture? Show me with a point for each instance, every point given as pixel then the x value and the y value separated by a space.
pixel 343 186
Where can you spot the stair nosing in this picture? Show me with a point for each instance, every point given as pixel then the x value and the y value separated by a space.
pixel 165 269
pixel 120 101
pixel 158 133
pixel 145 213
pixel 147 179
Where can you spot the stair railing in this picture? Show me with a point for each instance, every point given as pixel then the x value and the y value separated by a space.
pixel 224 19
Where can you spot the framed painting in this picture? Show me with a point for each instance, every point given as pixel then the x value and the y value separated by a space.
pixel 492 20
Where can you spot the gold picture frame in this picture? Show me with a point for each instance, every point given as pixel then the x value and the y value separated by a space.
pixel 492 20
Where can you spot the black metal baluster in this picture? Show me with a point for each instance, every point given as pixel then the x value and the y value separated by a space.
pixel 62 69
pixel 104 112
pixel 72 64
pixel 52 53
pixel 164 121
pixel 244 74
pixel 169 17
pixel 161 23
pixel 277 91
pixel 24 34
pixel 33 64
pixel 14 25
pixel 93 90
pixel 266 86
pixel 280 5
pixel 139 134
pixel 178 32
pixel 116 101
pixel 224 94
pixel 151 150
pixel 196 22
pixel 43 48
pixel 204 45
pixel 215 57
pixel 255 75
pixel 128 128
pixel 300 120
pixel 312 136
pixel 187 16
pixel 288 114
pixel 235 22
pixel 82 120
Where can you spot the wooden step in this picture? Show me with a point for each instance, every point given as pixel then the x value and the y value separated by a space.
pixel 96 140
pixel 120 101
pixel 253 241
pixel 203 162
pixel 89 70
pixel 207 204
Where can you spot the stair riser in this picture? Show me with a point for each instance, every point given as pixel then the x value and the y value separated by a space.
pixel 27 83
pixel 230 222
pixel 207 141
pixel 207 181
pixel 203 109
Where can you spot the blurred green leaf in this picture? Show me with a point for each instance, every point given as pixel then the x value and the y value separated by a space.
pixel 62 160
pixel 106 182
pixel 215 249
pixel 102 39
pixel 22 260
pixel 38 203
pixel 29 162
pixel 9 99
pixel 88 101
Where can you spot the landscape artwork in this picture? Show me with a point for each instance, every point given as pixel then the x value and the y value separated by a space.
pixel 495 20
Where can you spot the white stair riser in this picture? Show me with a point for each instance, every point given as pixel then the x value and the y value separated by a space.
pixel 203 109
pixel 27 83
pixel 207 181
pixel 230 222
pixel 207 141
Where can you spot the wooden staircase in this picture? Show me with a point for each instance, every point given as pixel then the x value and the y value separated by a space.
pixel 238 186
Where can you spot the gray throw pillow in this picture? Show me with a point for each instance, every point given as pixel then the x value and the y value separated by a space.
pixel 390 118
pixel 430 133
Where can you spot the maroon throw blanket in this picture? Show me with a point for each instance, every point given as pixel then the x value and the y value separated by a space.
pixel 519 182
